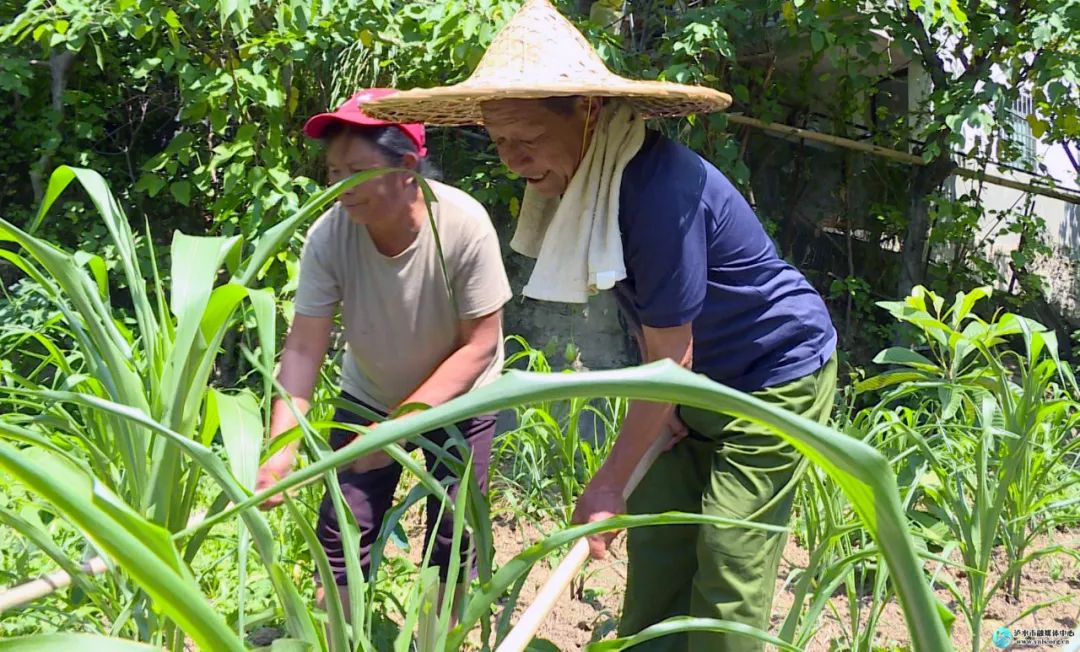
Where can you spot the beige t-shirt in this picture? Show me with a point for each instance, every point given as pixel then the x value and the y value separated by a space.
pixel 400 321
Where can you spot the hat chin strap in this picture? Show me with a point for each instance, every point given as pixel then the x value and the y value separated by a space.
pixel 585 130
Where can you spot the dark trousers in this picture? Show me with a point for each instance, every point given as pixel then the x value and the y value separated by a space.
pixel 369 494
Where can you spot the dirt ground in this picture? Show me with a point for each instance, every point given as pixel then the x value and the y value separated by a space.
pixel 592 614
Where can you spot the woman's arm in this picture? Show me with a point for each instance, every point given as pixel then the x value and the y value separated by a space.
pixel 478 343
pixel 303 355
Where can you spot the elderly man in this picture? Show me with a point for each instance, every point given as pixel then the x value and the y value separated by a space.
pixel 610 204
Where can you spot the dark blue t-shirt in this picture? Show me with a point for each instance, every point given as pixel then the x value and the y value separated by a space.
pixel 695 252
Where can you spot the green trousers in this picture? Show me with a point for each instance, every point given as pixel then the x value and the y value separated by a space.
pixel 727 467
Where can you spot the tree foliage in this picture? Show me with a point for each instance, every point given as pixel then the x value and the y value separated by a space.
pixel 195 110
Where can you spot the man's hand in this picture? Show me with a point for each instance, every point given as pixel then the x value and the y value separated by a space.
pixel 599 502
pixel 677 428
pixel 272 470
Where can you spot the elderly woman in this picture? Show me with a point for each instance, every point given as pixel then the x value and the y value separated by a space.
pixel 413 334
pixel 610 204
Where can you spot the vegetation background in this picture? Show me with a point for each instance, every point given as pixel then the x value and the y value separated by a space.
pixel 118 354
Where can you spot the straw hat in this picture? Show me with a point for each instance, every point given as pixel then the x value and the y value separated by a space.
pixel 539 53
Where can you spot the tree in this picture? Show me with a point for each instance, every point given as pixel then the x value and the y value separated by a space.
pixel 979 58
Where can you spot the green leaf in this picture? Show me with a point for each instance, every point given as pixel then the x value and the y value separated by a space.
pixel 966 301
pixel 688 624
pixel 1038 127
pixel 242 433
pixel 1071 125
pixel 240 9
pixel 888 379
pixel 151 534
pixel 906 357
pixel 110 343
pixel 58 182
pixel 97 267
pixel 181 192
pixel 788 10
pixel 182 385
pixel 68 642
pixel 817 41
pixel 950 398
pixel 149 562
pixel 470 25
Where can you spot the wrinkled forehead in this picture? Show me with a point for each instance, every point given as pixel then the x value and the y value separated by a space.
pixel 513 115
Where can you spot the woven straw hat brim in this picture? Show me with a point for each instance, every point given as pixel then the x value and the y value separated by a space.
pixel 460 104
pixel 539 53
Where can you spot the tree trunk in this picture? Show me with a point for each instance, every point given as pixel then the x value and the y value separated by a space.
pixel 914 249
pixel 59 64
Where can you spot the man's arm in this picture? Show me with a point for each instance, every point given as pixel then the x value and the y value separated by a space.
pixel 644 422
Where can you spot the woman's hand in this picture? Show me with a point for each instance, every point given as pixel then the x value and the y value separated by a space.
pixel 271 471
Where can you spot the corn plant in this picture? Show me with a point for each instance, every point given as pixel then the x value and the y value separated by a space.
pixel 546 461
pixel 842 557
pixel 993 432
pixel 113 425
pixel 111 399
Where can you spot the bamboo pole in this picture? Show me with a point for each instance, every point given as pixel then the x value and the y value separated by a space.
pixel 903 157
pixel 523 632
pixel 36 589
pixel 46 584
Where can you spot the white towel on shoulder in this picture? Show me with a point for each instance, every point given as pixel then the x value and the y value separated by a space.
pixel 575 239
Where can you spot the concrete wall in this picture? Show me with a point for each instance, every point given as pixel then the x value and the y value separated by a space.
pixel 594 327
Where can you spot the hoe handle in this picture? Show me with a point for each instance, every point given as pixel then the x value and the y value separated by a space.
pixel 522 633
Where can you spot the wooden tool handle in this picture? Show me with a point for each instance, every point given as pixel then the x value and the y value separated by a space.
pixel 37 589
pixel 44 585
pixel 522 633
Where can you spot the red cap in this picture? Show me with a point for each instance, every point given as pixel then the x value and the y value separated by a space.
pixel 351 112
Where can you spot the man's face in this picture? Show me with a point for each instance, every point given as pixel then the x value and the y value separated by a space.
pixel 538 143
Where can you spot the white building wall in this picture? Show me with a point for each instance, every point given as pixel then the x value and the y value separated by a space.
pixel 1061 270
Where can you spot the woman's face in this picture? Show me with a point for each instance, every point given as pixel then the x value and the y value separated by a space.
pixel 384 198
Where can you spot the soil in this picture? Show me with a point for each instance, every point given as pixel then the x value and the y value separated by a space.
pixel 590 610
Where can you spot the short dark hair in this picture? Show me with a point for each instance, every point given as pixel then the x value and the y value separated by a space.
pixel 563 105
pixel 390 141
